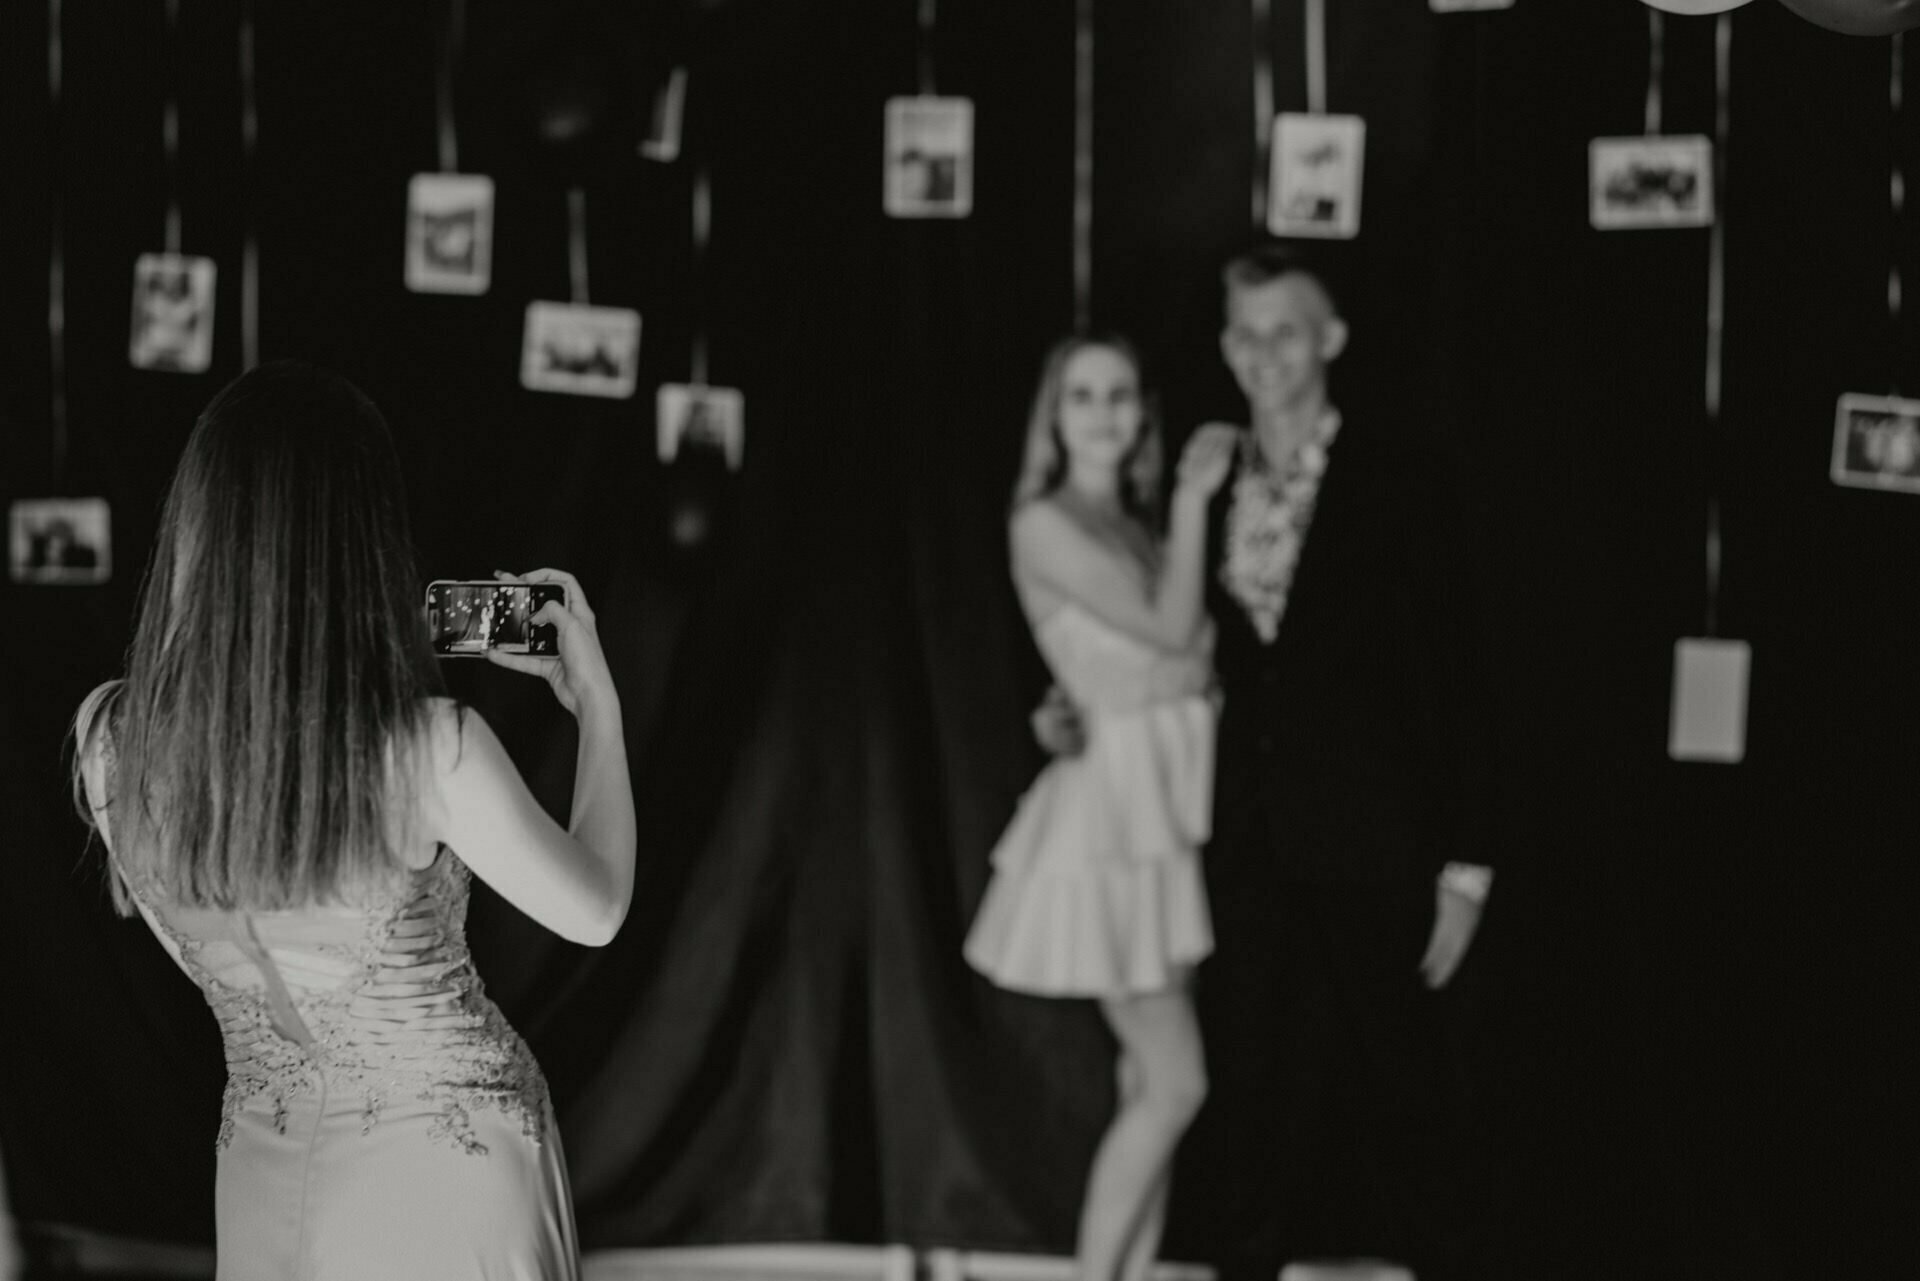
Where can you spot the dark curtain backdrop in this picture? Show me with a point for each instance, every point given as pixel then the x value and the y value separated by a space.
pixel 1679 1021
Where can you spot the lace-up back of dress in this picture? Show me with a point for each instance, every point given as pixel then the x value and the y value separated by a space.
pixel 376 993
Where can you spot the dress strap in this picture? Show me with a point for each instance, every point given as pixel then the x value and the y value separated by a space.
pixel 285 1015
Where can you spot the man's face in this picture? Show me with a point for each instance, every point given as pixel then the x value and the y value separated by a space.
pixel 1279 338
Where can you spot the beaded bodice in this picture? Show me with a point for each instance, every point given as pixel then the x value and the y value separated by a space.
pixel 377 996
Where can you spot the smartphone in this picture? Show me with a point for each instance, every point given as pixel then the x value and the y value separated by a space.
pixel 466 619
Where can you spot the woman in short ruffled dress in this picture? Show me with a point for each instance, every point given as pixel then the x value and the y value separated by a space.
pixel 1097 889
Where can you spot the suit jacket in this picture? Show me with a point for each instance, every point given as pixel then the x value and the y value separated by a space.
pixel 1354 747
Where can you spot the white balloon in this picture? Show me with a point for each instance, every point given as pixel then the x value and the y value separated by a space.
pixel 1692 7
pixel 1859 17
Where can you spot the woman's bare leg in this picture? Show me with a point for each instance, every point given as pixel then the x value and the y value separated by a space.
pixel 1144 1248
pixel 1144 1245
pixel 1163 1082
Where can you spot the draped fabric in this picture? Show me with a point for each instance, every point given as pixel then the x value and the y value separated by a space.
pixel 1673 1021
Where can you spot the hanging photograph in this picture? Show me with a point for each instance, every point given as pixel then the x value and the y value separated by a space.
pixel 581 350
pixel 1463 6
pixel 1315 189
pixel 929 172
pixel 1876 443
pixel 60 540
pixel 172 313
pixel 1709 713
pixel 449 233
pixel 1651 182
pixel 703 418
pixel 662 142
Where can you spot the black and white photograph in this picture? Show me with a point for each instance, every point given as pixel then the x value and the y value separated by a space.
pixel 1315 188
pixel 929 157
pixel 580 350
pixel 704 417
pixel 1876 443
pixel 1709 714
pixel 1649 182
pixel 172 313
pixel 59 541
pixel 449 233
pixel 1267 699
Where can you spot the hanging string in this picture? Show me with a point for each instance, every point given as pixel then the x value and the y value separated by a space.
pixel 1262 105
pixel 702 231
pixel 1716 293
pixel 170 128
pixel 925 47
pixel 1656 67
pixel 250 246
pixel 1897 199
pixel 1082 163
pixel 1316 43
pixel 443 86
pixel 56 256
pixel 577 243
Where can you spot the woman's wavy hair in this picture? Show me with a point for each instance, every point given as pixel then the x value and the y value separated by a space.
pixel 1044 466
pixel 276 682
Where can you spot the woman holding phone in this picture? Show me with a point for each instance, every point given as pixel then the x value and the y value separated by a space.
pixel 292 805
pixel 1097 890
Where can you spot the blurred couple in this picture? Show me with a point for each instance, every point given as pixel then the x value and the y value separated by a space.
pixel 1261 827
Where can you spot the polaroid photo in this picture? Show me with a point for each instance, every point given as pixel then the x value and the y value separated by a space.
pixel 172 313
pixel 60 540
pixel 1315 186
pixel 662 142
pixel 929 163
pixel 1709 721
pixel 449 233
pixel 1651 182
pixel 581 350
pixel 1876 443
pixel 701 417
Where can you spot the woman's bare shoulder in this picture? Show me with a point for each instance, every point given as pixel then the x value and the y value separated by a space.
pixel 1045 524
pixel 93 719
pixel 446 733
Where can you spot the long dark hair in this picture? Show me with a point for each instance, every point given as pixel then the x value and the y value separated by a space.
pixel 1044 464
pixel 275 687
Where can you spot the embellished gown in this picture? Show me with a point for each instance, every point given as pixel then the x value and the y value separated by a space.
pixel 381 1118
pixel 1097 888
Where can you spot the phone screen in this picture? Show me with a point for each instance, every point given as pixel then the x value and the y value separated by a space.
pixel 466 619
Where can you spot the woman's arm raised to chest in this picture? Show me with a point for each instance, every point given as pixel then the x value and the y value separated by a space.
pixel 1053 554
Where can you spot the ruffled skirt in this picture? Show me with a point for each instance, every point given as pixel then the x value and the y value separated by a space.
pixel 1097 888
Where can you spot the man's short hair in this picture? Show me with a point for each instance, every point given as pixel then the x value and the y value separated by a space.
pixel 1268 261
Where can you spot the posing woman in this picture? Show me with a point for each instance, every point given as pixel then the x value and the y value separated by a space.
pixel 1097 888
pixel 294 809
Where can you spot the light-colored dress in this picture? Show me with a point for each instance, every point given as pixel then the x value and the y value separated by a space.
pixel 381 1118
pixel 1097 887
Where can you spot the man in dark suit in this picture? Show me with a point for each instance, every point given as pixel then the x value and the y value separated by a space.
pixel 1347 868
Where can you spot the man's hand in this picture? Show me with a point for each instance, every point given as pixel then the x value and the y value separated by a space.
pixel 1057 725
pixel 1455 919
